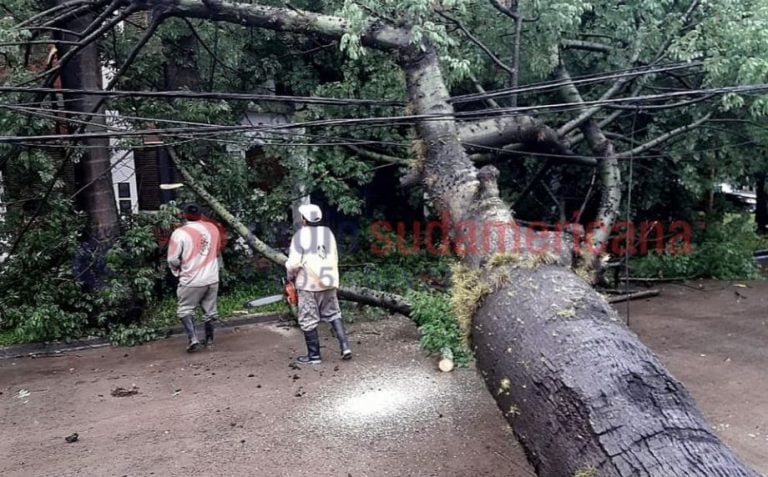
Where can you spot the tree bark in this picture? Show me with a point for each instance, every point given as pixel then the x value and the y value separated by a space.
pixel 95 191
pixel 94 177
pixel 582 393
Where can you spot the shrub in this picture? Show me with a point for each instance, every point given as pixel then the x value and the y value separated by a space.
pixel 437 324
pixel 723 250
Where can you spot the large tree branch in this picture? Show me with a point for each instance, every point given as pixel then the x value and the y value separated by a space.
pixel 575 138
pixel 377 156
pixel 615 88
pixel 607 163
pixel 586 45
pixel 375 33
pixel 664 137
pixel 252 241
pixel 504 130
pixel 591 111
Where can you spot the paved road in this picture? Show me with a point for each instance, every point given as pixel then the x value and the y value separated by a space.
pixel 240 409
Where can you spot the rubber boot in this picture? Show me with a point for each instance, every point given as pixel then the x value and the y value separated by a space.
pixel 189 327
pixel 312 339
pixel 209 333
pixel 341 335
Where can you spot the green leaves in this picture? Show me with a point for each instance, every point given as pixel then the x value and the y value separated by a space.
pixel 350 42
pixel 438 327
pixel 723 251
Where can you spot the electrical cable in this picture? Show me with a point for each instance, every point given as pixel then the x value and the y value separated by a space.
pixel 182 94
pixel 331 101
pixel 344 141
pixel 630 240
pixel 386 121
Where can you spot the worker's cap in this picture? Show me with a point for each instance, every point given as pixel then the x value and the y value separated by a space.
pixel 311 213
pixel 192 211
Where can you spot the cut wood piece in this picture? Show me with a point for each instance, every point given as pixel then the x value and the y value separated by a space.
pixel 446 361
pixel 633 296
pixel 445 365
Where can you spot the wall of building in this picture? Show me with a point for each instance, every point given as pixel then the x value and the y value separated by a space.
pixel 123 171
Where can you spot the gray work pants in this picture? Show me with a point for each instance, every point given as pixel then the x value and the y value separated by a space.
pixel 189 297
pixel 316 306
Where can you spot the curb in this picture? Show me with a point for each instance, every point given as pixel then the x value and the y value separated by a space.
pixel 32 350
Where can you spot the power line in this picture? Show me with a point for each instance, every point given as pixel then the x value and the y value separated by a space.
pixel 327 101
pixel 388 121
pixel 578 80
pixel 580 156
pixel 530 88
pixel 264 138
pixel 330 101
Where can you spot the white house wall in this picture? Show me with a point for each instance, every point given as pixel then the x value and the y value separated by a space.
pixel 3 241
pixel 2 194
pixel 123 166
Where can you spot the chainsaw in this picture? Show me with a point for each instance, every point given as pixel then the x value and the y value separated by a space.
pixel 290 295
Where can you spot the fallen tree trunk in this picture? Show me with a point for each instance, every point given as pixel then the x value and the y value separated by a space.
pixel 582 393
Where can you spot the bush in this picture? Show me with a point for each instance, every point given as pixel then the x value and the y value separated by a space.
pixel 42 299
pixel 437 324
pixel 45 297
pixel 134 334
pixel 394 272
pixel 723 250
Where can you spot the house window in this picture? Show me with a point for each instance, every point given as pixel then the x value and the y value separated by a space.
pixel 125 207
pixel 124 190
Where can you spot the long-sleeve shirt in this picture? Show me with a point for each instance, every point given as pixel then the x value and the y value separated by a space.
pixel 313 259
pixel 193 254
